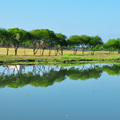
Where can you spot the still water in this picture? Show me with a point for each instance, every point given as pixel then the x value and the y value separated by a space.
pixel 85 92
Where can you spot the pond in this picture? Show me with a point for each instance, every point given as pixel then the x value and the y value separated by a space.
pixel 52 92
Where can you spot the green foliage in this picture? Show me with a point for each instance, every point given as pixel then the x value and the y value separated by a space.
pixel 112 45
pixel 3 34
pixel 85 40
pixel 44 36
pixel 95 43
pixel 17 37
pixel 73 42
pixel 61 39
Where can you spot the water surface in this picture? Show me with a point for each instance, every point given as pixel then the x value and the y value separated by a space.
pixel 85 92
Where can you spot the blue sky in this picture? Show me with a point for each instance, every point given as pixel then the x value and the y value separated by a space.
pixel 70 17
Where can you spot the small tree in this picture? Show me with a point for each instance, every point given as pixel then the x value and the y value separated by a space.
pixel 111 45
pixel 74 41
pixel 17 37
pixel 61 40
pixel 49 39
pixel 36 39
pixel 95 43
pixel 118 45
pixel 5 38
pixel 85 40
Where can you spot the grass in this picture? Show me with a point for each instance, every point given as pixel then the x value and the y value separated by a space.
pixel 30 52
pixel 68 57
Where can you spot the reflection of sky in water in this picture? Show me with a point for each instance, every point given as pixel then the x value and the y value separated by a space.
pixel 92 99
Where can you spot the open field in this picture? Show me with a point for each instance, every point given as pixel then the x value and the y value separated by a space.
pixel 68 57
pixel 21 51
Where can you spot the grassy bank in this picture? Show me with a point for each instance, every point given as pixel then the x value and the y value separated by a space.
pixel 68 57
pixel 57 59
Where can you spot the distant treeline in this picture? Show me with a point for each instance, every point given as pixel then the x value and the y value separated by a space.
pixel 47 39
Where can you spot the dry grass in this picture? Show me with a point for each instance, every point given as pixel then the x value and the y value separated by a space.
pixel 46 52
pixel 67 57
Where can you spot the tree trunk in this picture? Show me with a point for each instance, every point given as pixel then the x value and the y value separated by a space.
pixel 49 51
pixel 24 51
pixel 16 50
pixel 7 50
pixel 92 52
pixel 118 51
pixel 42 51
pixel 61 50
pixel 24 48
pixel 56 51
pixel 33 51
pixel 75 51
pixel 83 51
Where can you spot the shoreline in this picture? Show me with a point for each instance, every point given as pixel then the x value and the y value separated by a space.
pixel 11 59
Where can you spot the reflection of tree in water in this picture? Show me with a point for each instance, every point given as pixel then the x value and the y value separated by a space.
pixel 46 76
pixel 84 73
pixel 112 70
pixel 49 78
pixel 33 78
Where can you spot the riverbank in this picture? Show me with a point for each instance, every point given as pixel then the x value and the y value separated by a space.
pixel 10 59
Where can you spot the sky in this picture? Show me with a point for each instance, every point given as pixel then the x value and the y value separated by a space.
pixel 69 17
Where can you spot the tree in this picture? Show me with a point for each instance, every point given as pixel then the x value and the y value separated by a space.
pixel 3 34
pixel 5 38
pixel 36 38
pixel 17 37
pixel 85 40
pixel 61 40
pixel 49 39
pixel 42 38
pixel 111 45
pixel 95 43
pixel 73 42
pixel 118 45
